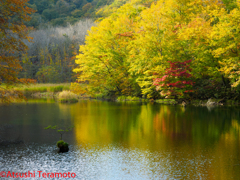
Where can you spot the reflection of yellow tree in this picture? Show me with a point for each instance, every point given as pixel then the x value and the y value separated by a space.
pixel 97 122
pixel 139 125
pixel 144 132
pixel 195 138
pixel 205 129
pixel 228 146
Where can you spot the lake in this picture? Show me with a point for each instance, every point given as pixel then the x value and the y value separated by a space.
pixel 116 140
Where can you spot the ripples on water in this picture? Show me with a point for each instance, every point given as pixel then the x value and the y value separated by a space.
pixel 99 163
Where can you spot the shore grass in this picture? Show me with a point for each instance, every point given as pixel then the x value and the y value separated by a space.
pixel 33 88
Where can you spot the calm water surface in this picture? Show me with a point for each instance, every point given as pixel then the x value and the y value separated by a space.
pixel 122 140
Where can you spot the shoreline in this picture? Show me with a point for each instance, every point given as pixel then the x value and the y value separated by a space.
pixel 182 102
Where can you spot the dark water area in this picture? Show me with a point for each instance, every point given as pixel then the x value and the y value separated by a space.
pixel 113 140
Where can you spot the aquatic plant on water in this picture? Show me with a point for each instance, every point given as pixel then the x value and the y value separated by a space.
pixel 62 145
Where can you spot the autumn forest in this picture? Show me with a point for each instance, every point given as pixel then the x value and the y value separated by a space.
pixel 181 49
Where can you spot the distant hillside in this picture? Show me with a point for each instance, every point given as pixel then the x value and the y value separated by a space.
pixel 62 12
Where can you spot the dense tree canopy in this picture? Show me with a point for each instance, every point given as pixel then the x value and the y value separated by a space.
pixel 62 12
pixel 137 44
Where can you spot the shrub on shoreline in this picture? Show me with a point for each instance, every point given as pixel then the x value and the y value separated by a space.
pixel 67 97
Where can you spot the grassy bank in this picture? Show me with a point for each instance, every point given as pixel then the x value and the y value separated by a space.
pixel 48 90
pixel 63 92
pixel 42 88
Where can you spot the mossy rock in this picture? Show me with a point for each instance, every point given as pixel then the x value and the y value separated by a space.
pixel 63 146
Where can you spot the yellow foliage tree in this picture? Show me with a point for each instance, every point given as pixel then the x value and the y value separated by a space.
pixel 103 60
pixel 135 44
pixel 225 43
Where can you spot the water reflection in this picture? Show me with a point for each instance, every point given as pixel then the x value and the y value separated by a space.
pixel 138 123
pixel 133 140
pixel 199 142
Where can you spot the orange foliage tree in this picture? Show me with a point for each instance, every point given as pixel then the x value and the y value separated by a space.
pixel 13 33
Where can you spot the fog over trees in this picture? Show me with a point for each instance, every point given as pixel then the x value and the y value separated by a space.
pixel 51 53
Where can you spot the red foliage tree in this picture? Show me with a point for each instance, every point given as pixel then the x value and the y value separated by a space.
pixel 176 81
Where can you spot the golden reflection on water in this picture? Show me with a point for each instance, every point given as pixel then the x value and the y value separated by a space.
pixel 198 143
pixel 159 141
